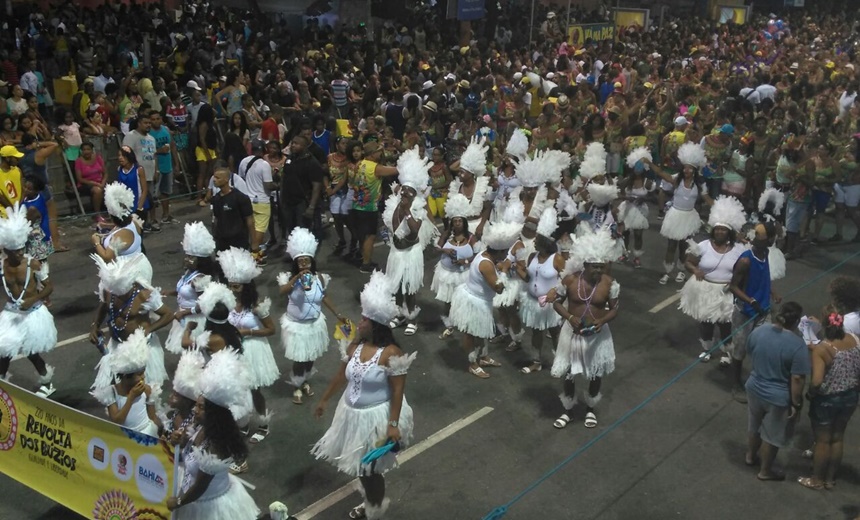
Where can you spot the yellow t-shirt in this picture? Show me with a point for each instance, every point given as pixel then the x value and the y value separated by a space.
pixel 366 187
pixel 10 186
pixel 537 103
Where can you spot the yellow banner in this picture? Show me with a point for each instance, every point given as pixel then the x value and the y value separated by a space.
pixel 578 34
pixel 633 17
pixel 93 467
pixel 735 15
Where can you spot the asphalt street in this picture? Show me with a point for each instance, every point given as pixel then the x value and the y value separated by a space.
pixel 479 443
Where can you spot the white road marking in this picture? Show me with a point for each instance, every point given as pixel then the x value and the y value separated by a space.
pixel 333 498
pixel 74 339
pixel 665 303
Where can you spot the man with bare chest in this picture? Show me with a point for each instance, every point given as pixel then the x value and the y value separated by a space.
pixel 27 325
pixel 587 301
pixel 411 229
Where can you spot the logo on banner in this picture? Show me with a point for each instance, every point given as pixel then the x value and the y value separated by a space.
pixel 151 478
pixel 122 464
pixel 8 422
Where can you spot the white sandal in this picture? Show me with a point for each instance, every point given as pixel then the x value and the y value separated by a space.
pixel 396 322
pixel 411 329
pixel 590 420
pixel 479 372
pixel 562 421
pixel 704 356
pixel 534 367
pixel 447 333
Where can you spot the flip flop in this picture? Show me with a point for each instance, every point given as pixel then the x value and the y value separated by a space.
pixel 61 249
pixel 534 367
pixel 809 482
pixel 297 396
pixel 259 435
pixel 358 513
pixel 479 372
pixel 590 420
pixel 562 421
pixel 306 388
pixel 489 362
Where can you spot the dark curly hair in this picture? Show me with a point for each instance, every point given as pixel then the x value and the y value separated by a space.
pixel 226 330
pixel 845 294
pixel 222 432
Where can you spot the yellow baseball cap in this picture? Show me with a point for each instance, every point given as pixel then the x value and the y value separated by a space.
pixel 10 151
pixel 648 84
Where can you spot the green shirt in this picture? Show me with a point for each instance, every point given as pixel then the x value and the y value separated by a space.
pixel 366 187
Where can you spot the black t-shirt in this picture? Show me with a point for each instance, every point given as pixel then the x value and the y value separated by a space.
pixel 231 212
pixel 297 178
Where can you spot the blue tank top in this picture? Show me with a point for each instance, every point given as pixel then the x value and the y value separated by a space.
pixel 131 180
pixel 39 203
pixel 758 282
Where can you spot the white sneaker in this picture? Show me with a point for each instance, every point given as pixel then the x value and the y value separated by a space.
pixel 664 279
pixel 46 390
pixel 681 276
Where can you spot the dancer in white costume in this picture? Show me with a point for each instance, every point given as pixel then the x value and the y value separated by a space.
pixel 472 302
pixel 599 213
pixel 181 424
pixel 252 318
pixel 457 245
pixel 706 297
pixel 411 229
pixel 130 402
pixel 125 238
pixel 585 343
pixel 208 491
pixel 543 271
pixel 373 407
pixel 682 220
pixel 507 180
pixel 26 326
pixel 304 333
pixel 770 205
pixel 512 272
pixel 633 210
pixel 198 245
pixel 216 303
pixel 473 182
pixel 126 301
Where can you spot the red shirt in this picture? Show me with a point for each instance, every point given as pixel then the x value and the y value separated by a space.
pixel 177 114
pixel 269 130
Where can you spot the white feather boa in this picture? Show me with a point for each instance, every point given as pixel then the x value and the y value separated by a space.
pixel 427 232
pixel 476 203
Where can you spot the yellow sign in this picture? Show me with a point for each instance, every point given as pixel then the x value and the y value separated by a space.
pixel 631 17
pixel 735 15
pixel 91 466
pixel 578 34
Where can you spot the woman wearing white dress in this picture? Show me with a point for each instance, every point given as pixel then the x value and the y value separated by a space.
pixel 131 402
pixel 682 220
pixel 373 409
pixel 473 182
pixel 633 210
pixel 705 297
pixel 125 238
pixel 208 491
pixel 304 333
pixel 251 317
pixel 457 245
pixel 198 245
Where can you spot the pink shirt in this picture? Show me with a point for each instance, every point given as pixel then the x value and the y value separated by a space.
pixel 93 172
pixel 72 134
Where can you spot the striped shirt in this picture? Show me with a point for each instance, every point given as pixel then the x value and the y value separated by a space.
pixel 340 92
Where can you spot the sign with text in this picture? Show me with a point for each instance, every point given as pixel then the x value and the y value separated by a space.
pixel 94 467
pixel 578 34
pixel 470 10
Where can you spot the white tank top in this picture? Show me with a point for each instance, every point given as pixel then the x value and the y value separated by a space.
pixel 244 319
pixel 542 276
pixel 463 252
pixel 718 267
pixel 306 305
pixel 506 186
pixel 137 418
pixel 638 194
pixel 186 295
pixel 685 198
pixel 475 282
pixel 135 244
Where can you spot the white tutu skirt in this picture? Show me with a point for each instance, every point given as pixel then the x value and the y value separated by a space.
pixel 536 317
pixel 592 356
pixel 471 314
pixel 777 263
pixel 155 372
pixel 26 332
pixel 634 216
pixel 304 341
pixel 177 330
pixel 445 281
pixel 680 225
pixel 511 293
pixel 356 431
pixel 405 269
pixel 260 361
pixel 706 302
pixel 235 504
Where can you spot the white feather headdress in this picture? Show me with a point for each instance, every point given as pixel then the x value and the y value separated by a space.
pixel 457 205
pixel 727 212
pixel 602 194
pixel 500 236
pixel 637 155
pixel 518 145
pixel 515 211
pixel 774 196
pixel 593 162
pixel 15 228
pixel 595 247
pixel 377 299
pixel 130 356
pixel 119 275
pixel 692 154
pixel 119 200
pixel 226 382
pixel 301 242
pixel 238 265
pixel 413 170
pixel 548 222
pixel 556 162
pixel 186 379
pixel 197 240
pixel 474 158
pixel 566 205
pixel 214 294
pixel 530 171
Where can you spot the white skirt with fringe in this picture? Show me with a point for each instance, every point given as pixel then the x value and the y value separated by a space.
pixel 680 225
pixel 177 330
pixel 405 268
pixel 511 293
pixel 260 360
pixel 304 341
pixel 471 314
pixel 592 356
pixel 446 281
pixel 776 260
pixel 536 317
pixel 155 372
pixel 26 332
pixel 356 431
pixel 706 302
pixel 634 216
pixel 234 504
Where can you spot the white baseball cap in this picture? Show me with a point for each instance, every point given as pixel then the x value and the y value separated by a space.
pixel 681 121
pixel 193 84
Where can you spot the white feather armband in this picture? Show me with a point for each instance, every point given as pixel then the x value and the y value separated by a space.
pixel 399 365
pixel 104 395
pixel 200 283
pixel 283 279
pixel 693 248
pixel 154 394
pixel 614 290
pixel 342 346
pixel 210 463
pixel 264 307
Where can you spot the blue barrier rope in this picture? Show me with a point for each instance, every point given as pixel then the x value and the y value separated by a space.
pixel 502 510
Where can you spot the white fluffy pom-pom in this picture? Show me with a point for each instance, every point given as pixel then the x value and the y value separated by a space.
pixel 283 279
pixel 637 155
pixel 774 196
pixel 692 154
